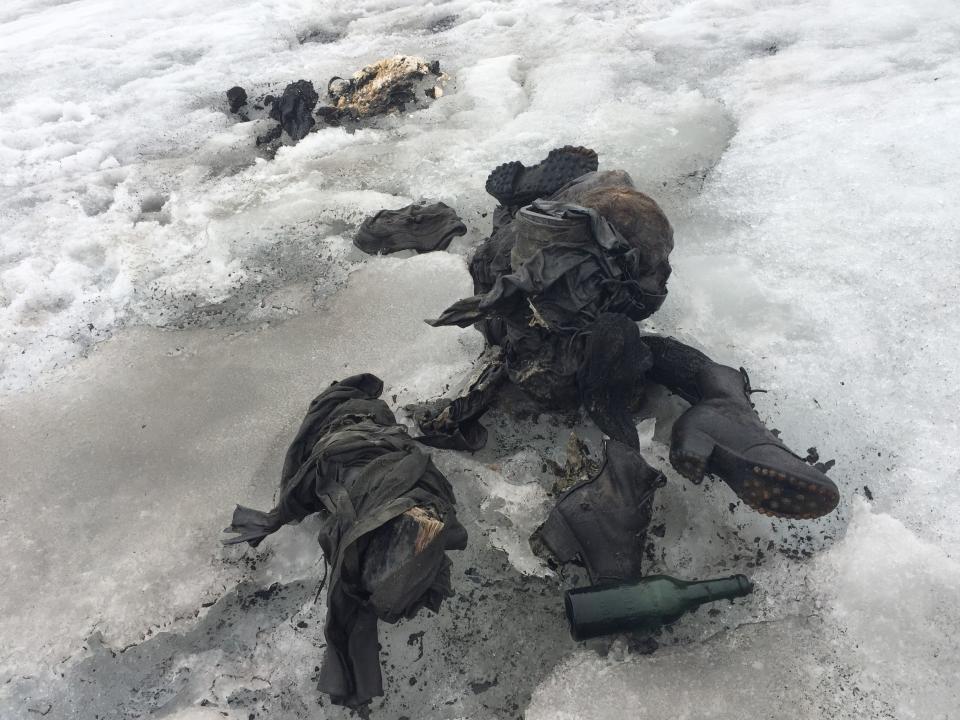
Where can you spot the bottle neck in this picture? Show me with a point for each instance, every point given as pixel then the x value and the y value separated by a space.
pixel 704 591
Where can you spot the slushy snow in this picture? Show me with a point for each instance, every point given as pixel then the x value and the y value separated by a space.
pixel 171 299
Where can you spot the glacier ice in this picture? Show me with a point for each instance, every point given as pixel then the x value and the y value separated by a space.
pixel 170 300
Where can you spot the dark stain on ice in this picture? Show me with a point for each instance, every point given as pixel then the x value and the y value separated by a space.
pixel 298 258
pixel 162 673
pixel 321 36
pixel 482 686
pixel 442 24
pixel 825 466
pixel 416 639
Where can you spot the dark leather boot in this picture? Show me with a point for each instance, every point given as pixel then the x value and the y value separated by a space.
pixel 603 521
pixel 513 184
pixel 721 434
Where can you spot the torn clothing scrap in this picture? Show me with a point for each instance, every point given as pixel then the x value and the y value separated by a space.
pixel 352 463
pixel 420 227
pixel 455 424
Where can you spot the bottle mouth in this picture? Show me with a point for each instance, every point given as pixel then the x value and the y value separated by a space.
pixel 744 583
pixel 568 607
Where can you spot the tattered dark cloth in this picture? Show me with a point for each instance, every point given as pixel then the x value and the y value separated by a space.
pixel 424 228
pixel 571 284
pixel 352 463
pixel 237 98
pixel 455 425
pixel 489 262
pixel 538 311
pixel 294 109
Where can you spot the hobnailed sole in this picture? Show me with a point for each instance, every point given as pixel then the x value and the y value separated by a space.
pixel 514 184
pixel 767 490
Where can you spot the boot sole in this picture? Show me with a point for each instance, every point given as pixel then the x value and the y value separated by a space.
pixel 765 489
pixel 514 184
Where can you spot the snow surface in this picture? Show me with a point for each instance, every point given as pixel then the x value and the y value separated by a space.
pixel 170 300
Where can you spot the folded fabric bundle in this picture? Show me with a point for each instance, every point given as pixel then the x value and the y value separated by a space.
pixel 388 518
pixel 424 228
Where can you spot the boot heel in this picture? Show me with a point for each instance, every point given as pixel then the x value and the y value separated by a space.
pixel 501 180
pixel 690 454
pixel 556 537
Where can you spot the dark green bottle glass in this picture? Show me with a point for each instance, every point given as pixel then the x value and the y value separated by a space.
pixel 644 605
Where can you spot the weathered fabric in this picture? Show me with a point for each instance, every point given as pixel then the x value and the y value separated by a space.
pixel 424 228
pixel 455 424
pixel 352 463
pixel 552 296
pixel 558 286
pixel 390 84
pixel 567 283
pixel 294 109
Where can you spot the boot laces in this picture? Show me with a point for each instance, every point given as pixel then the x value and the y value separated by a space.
pixel 747 390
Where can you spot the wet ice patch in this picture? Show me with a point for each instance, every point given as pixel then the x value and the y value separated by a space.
pixel 782 668
pixel 126 513
pixel 515 503
pixel 717 297
pixel 890 598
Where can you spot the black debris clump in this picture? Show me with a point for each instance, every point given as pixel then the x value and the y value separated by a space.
pixel 294 109
pixel 237 98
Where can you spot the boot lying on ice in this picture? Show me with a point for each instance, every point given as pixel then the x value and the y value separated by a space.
pixel 387 519
pixel 513 184
pixel 602 522
pixel 722 435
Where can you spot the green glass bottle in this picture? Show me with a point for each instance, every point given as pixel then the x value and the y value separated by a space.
pixel 644 605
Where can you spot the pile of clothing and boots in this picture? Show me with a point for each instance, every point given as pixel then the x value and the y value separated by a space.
pixel 576 258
